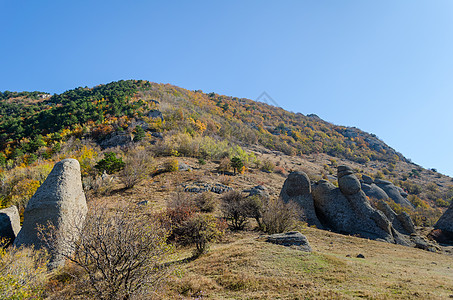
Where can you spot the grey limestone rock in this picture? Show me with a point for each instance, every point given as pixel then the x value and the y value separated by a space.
pixel 373 191
pixel 445 222
pixel 401 222
pixel 60 201
pixel 121 139
pixel 393 192
pixel 367 179
pixel 155 114
pixel 348 183
pixel 297 188
pixel 260 191
pixel 292 238
pixel 9 223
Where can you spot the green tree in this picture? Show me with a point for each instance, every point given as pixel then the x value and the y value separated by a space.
pixel 237 164
pixel 110 163
pixel 139 134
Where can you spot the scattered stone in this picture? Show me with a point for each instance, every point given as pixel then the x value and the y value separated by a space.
pixel 143 203
pixel 119 139
pixel 61 201
pixel 360 256
pixel 292 238
pixel 155 114
pixel 258 190
pixel 200 187
pixel 297 188
pixel 9 223
pixel 158 135
pixel 184 167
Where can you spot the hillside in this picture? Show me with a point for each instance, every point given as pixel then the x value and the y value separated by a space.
pixel 152 146
pixel 35 126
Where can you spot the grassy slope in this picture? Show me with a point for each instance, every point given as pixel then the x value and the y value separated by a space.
pixel 243 266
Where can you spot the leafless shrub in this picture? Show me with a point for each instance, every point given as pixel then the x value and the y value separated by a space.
pixel 121 253
pixel 279 217
pixel 138 166
pixel 205 202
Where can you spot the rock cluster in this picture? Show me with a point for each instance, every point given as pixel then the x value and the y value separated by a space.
pixel 346 209
pixel 382 190
pixel 59 201
pixel 200 187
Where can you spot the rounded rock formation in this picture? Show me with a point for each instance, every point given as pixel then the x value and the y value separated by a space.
pixel 59 201
pixel 348 183
pixel 297 188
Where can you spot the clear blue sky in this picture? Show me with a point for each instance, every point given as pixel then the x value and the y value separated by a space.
pixel 383 66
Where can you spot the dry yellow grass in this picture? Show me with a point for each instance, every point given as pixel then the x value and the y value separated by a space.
pixel 249 268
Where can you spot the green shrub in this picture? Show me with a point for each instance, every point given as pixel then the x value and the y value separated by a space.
pixel 139 134
pixel 110 164
pixel 237 164
pixel 267 165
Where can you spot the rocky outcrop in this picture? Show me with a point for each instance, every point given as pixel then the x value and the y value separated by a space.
pixel 260 191
pixel 9 223
pixel 402 222
pixel 121 139
pixel 373 191
pixel 200 187
pixel 393 192
pixel 445 224
pixel 297 188
pixel 59 201
pixel 290 239
pixel 346 209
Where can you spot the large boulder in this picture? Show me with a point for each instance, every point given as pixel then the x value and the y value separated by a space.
pixel 373 191
pixel 59 201
pixel 393 192
pixel 348 183
pixel 9 223
pixel 332 207
pixel 297 188
pixel 445 222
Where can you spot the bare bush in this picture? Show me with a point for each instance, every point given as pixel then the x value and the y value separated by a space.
pixel 279 217
pixel 205 202
pixel 137 168
pixel 121 253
